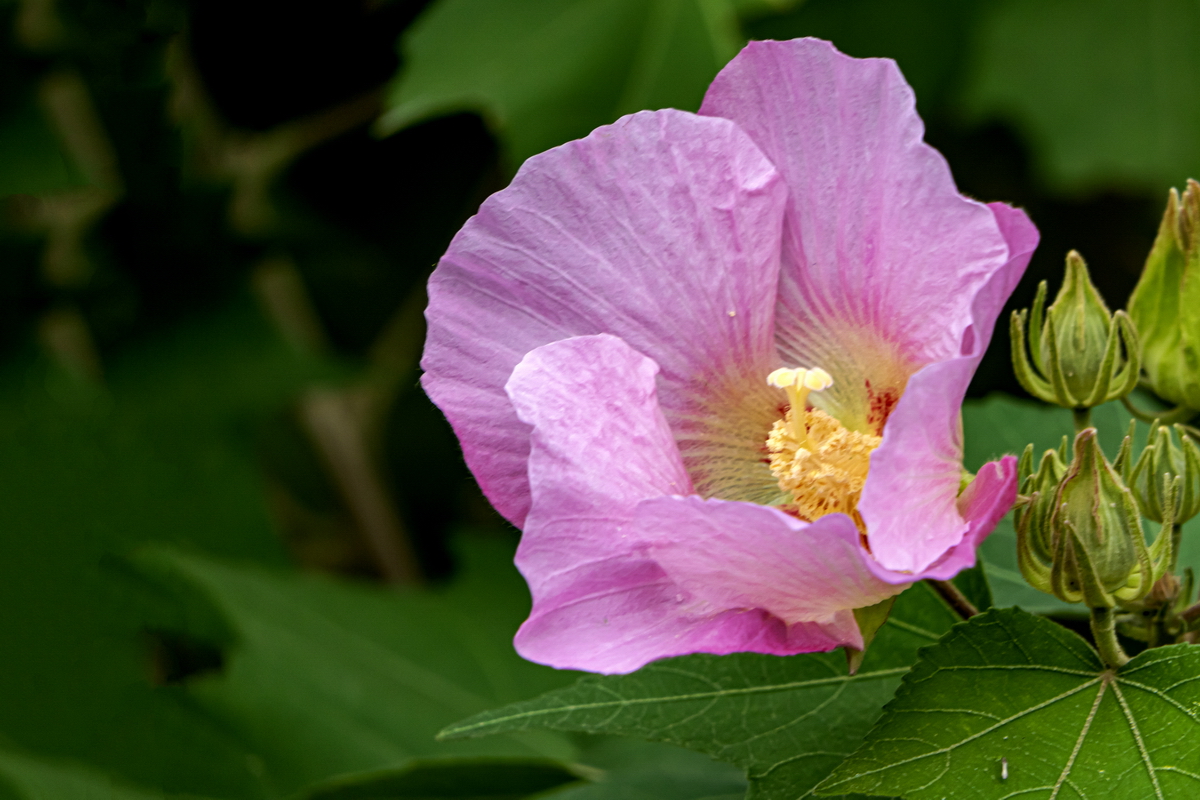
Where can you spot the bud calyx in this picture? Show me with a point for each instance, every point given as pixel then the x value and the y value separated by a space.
pixel 1157 468
pixel 1078 354
pixel 1079 535
pixel 1165 304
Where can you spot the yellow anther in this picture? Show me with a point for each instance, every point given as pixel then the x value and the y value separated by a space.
pixel 824 472
pixel 798 383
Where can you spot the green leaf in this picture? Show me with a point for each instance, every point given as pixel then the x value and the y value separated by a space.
pixel 1002 424
pixel 24 777
pixel 929 39
pixel 1012 705
pixel 748 9
pixel 542 72
pixel 786 721
pixel 609 768
pixel 325 678
pixel 628 769
pixel 1107 92
pixel 452 779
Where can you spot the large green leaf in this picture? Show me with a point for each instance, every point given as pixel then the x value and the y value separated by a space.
pixel 1107 91
pixel 323 678
pixel 1012 705
pixel 542 72
pixel 628 769
pixel 786 721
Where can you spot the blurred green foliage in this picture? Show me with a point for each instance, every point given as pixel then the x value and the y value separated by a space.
pixel 216 219
pixel 1108 93
pixel 543 72
pixel 363 679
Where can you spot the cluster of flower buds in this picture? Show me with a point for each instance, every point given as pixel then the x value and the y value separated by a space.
pixel 1079 524
pixel 1163 463
pixel 1079 530
pixel 1165 305
pixel 1078 355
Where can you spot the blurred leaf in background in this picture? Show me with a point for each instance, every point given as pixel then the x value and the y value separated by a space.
pixel 26 778
pixel 89 472
pixel 43 167
pixel 1107 92
pixel 543 72
pixel 322 679
pixel 930 39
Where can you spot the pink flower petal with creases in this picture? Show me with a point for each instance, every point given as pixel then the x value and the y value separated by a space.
pixel 662 228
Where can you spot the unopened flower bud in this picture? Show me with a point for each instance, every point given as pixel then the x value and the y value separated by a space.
pixel 1078 354
pixel 1156 470
pixel 1035 546
pixel 1086 544
pixel 1165 304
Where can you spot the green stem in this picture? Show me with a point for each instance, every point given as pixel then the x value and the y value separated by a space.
pixel 1180 413
pixel 1104 631
pixel 957 601
pixel 1083 418
pixel 1176 541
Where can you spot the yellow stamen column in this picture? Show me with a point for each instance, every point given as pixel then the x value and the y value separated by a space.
pixel 798 383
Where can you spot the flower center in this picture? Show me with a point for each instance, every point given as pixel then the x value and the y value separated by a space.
pixel 816 460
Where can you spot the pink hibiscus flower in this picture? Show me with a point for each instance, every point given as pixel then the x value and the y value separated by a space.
pixel 602 332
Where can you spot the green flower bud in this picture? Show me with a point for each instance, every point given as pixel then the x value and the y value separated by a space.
pixel 1081 354
pixel 1035 545
pixel 1079 534
pixel 1156 470
pixel 1165 304
pixel 1100 550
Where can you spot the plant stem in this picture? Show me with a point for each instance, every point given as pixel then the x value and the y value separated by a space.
pixel 1083 418
pixel 1166 417
pixel 957 601
pixel 1176 541
pixel 1104 631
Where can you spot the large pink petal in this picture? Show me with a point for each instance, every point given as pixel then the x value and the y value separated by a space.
pixel 600 447
pixel 909 502
pixel 662 228
pixel 982 504
pixel 632 616
pixel 730 555
pixel 882 257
